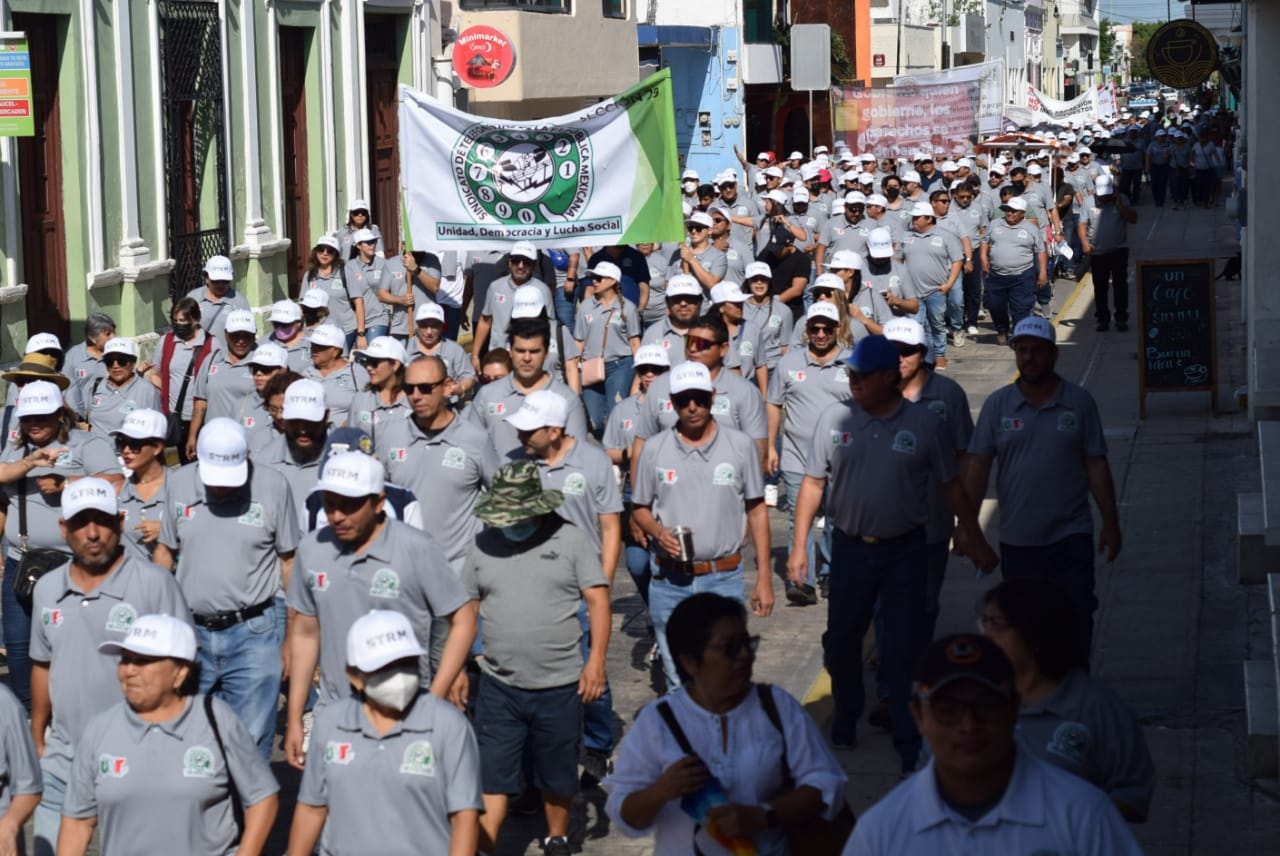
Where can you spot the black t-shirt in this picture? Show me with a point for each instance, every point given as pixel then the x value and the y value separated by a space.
pixel 787 270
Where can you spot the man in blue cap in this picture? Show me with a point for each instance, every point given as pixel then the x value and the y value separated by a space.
pixel 881 454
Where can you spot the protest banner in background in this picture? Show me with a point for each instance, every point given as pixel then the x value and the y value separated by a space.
pixel 607 174
pixel 1107 108
pixel 897 121
pixel 1046 109
pixel 989 77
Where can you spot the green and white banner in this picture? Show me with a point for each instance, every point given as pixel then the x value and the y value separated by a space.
pixel 607 174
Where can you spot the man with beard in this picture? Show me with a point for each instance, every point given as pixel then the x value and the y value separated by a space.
pixel 1053 456
pixel 684 305
pixel 845 233
pixel 296 453
pixel 94 598
pixel 878 218
pixel 935 258
pixel 491 329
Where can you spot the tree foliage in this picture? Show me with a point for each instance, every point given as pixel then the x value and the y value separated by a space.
pixel 1107 41
pixel 1142 32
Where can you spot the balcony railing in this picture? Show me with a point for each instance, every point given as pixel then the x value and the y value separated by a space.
pixel 558 7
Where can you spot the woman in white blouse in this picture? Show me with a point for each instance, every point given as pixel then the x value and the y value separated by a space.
pixel 736 777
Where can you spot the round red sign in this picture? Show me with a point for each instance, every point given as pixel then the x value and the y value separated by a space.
pixel 483 57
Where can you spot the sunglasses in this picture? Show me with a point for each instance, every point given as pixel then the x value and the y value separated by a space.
pixel 132 444
pixel 821 329
pixel 262 369
pixel 424 388
pixel 118 360
pixel 824 293
pixel 681 400
pixel 685 298
pixel 370 362
pixel 695 228
pixel 907 350
pixel 943 201
pixel 521 262
pixel 697 344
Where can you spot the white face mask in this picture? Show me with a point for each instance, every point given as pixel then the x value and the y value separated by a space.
pixel 394 687
pixel 689 186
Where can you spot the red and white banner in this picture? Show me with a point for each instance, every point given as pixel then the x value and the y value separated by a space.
pixel 903 119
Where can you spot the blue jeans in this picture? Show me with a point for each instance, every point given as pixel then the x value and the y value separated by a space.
pixel 241 665
pixel 48 816
pixel 373 331
pixel 638 566
pixel 895 574
pixel 935 323
pixel 819 549
pixel 599 399
pixel 1010 297
pixel 566 309
pixel 955 303
pixel 1069 563
pixel 17 635
pixel 452 321
pixel 597 717
pixel 668 588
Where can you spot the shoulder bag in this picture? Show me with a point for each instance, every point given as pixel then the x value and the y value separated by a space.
pixel 34 564
pixel 593 369
pixel 173 433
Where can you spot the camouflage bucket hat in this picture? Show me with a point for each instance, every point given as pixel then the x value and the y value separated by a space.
pixel 517 495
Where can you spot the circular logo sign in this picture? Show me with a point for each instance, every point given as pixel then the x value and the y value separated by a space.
pixel 1182 54
pixel 483 57
pixel 524 177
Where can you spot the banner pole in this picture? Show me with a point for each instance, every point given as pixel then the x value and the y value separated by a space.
pixel 810 152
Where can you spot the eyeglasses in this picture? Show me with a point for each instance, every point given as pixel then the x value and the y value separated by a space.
pixel 117 359
pixel 359 212
pixel 950 711
pixel 821 329
pixel 697 344
pixel 424 388
pixel 681 400
pixel 991 624
pixel 718 220
pixel 131 443
pixel 370 243
pixel 262 369
pixel 734 647
pixel 695 227
pixel 275 411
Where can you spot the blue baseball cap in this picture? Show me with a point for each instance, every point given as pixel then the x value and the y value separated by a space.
pixel 873 354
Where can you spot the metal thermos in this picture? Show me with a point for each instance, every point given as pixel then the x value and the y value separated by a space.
pixel 683 536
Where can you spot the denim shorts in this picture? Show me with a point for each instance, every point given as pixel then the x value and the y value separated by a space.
pixel 546 722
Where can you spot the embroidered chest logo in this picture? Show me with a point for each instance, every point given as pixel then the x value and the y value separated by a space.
pixel 905 442
pixel 796 376
pixel 51 617
pixel 385 583
pixel 120 618
pixel 1067 423
pixel 1012 423
pixel 939 409
pixel 338 753
pixel 419 759
pixel 318 580
pixel 1070 741
pixel 255 516
pixel 720 407
pixel 497 408
pixel 723 475
pixel 197 763
pixel 575 484
pixel 667 476
pixel 841 438
pixel 113 767
pixel 454 459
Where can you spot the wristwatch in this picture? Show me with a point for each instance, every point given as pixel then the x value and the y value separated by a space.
pixel 359 332
pixel 770 816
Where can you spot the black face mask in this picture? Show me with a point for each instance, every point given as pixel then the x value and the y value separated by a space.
pixel 184 331
pixel 892 193
pixel 1018 186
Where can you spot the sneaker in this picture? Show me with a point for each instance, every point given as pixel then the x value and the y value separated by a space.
pixel 824 588
pixel 940 363
pixel 878 716
pixel 771 495
pixel 558 846
pixel 653 656
pixel 957 338
pixel 1002 338
pixel 983 314
pixel 972 330
pixel 596 764
pixel 801 595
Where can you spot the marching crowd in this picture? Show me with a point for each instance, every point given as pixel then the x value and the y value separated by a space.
pixel 412 542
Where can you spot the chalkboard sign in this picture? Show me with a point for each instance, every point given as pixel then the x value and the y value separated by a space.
pixel 1177 340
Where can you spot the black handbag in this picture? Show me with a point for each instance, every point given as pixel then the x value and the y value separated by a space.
pixel 34 564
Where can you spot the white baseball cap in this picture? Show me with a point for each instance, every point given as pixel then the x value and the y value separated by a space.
pixel 286 312
pixel 329 241
pixel 241 321
pixel 996 169
pixel 541 408
pixel 358 205
pixel 844 260
pixel 1015 203
pixel 431 311
pixel 528 303
pixel 727 292
pixel 773 172
pixel 144 424
pixel 42 342
pixel 880 243
pixel 876 199
pixel 689 174
pixel 383 348
pixel 39 398
pixel 362 235
pixel 315 298
pixel 820 150
pixel 691 376
pixel 826 280
pixel 779 196
pixel 379 638
pixel 652 355
pixel 867 157
pixel 809 171
pixel 222 453
pixel 156 636
pixel 86 494
pixel 269 354
pixel 907 331
pixel 800 194
pixel 922 209
pixel 866 178
pixel 608 270
pixel 328 336
pixel 796 155
pixel 949 166
pixel 1036 328
pixel 910 175
pixel 1034 169
pixel 700 218
pixel 822 309
pixel 352 474
pixel 304 399
pixel 683 285
pixel 219 268
pixel 855 197
pixel 524 250
pixel 120 346
pixel 757 269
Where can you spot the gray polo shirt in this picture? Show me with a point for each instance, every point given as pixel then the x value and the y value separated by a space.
pixel 737 405
pixel 495 401
pixel 621 321
pixel 183 352
pixel 300 477
pixel 585 477
pixel 840 234
pixel 1042 480
pixel 1084 728
pixel 382 272
pixel 85 455
pixel 447 471
pixel 403 570
pixel 499 302
pixel 223 384
pixel 81 367
pixel 137 510
pixel 656 309
pixel 457 362
pixel 342 311
pixel 894 278
pixel 744 348
pixel 714 261
pixel 896 225
pixel 776 322
pixel 703 487
pixel 804 388
pixel 879 470
pixel 163 787
pixel 662 333
pixel 947 400
pixel 396 789
pixel 743 206
pixel 967 222
pixel 529 595
pixel 228 548
pixel 259 427
pixel 109 404
pixel 19 765
pixel 873 306
pixel 68 624
pixel 340 387
pixel 1013 250
pixel 213 313
pixel 620 430
pixel 371 414
pixel 1107 230
pixel 929 257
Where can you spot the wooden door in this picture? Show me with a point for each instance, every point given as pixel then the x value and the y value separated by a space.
pixel 44 237
pixel 382 40
pixel 295 48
